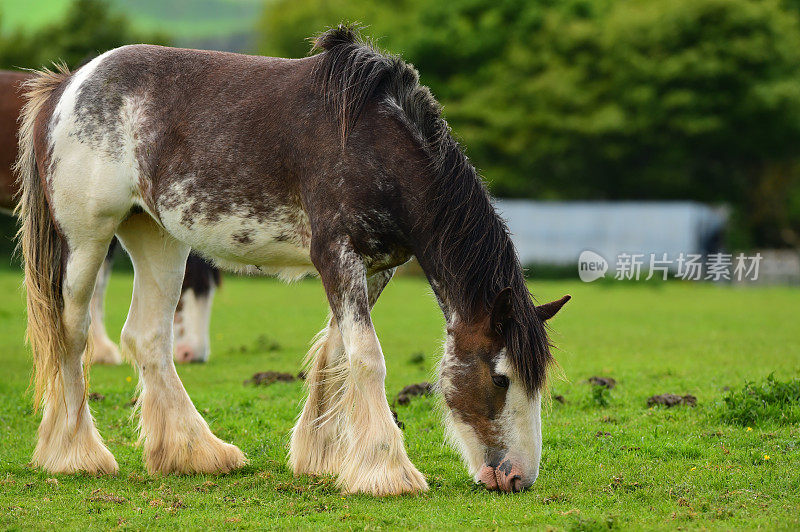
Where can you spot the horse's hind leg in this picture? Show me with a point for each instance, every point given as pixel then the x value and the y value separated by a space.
pixel 176 438
pixel 104 351
pixel 68 440
pixel 315 447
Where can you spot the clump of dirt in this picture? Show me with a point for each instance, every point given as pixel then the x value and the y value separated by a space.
pixel 265 378
pixel 97 397
pixel 400 424
pixel 559 399
pixel 670 399
pixel 414 390
pixel 605 382
pixel 602 434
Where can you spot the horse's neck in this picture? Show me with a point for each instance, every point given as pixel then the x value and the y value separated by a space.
pixel 449 285
pixel 459 240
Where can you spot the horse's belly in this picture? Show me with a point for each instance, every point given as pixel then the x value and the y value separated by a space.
pixel 276 241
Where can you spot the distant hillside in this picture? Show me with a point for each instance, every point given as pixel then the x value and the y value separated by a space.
pixel 213 24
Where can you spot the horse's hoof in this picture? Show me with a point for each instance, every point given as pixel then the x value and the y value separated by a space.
pixel 98 461
pixel 68 450
pixel 212 456
pixel 392 477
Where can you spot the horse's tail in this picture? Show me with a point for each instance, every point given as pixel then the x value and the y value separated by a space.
pixel 41 244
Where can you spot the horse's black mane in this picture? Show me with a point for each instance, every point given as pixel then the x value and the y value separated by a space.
pixel 473 254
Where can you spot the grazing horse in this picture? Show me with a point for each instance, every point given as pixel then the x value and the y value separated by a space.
pixel 192 320
pixel 338 164
pixel 192 343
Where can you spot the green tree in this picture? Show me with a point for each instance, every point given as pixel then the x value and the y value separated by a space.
pixel 681 99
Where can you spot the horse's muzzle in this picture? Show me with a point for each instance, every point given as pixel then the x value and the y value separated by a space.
pixel 185 353
pixel 508 477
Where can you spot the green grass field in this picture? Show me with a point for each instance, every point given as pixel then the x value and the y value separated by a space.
pixel 620 466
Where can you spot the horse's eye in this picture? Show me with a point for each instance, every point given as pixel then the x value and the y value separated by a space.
pixel 501 381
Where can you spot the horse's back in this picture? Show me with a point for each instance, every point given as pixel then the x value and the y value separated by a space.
pixel 183 99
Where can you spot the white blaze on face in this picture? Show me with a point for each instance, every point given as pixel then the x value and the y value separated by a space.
pixel 521 424
pixel 191 327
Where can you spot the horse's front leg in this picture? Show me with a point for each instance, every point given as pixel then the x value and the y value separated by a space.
pixel 373 459
pixel 316 446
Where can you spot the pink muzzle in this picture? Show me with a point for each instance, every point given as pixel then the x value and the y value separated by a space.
pixel 506 477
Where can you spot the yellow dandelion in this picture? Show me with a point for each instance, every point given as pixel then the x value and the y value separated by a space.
pixel 694 468
pixel 766 457
pixel 128 378
pixel 749 429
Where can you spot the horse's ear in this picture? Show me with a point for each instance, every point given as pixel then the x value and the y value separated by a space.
pixel 502 309
pixel 548 310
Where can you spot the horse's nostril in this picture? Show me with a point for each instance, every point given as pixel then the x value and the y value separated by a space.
pixel 516 484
